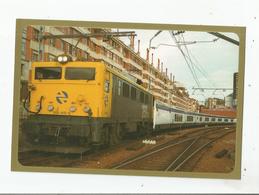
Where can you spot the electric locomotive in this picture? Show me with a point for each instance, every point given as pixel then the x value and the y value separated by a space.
pixel 83 103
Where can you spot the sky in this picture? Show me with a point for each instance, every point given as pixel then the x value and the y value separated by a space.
pixel 217 61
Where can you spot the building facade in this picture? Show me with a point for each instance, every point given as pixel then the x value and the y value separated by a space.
pixel 112 51
pixel 212 103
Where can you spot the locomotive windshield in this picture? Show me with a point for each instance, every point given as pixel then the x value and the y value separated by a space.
pixel 80 74
pixel 47 73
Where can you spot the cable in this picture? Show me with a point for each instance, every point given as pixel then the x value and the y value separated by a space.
pixel 186 59
pixel 197 66
pixel 27 109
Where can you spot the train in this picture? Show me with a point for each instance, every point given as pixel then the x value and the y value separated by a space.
pixel 88 103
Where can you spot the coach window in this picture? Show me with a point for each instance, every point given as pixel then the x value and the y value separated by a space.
pixel 189 118
pixel 119 87
pixel 213 119
pixel 141 97
pixel 207 119
pixel 200 118
pixel 133 93
pixel 125 90
pixel 178 117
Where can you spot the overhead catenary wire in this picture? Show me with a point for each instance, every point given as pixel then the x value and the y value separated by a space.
pixel 186 59
pixel 197 65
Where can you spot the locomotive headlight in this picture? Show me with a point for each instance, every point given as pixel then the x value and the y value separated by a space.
pixel 72 109
pixel 60 59
pixel 50 107
pixel 65 58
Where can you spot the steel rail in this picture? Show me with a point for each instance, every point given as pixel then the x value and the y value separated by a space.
pixel 199 149
pixel 150 153
pixel 127 162
pixel 172 164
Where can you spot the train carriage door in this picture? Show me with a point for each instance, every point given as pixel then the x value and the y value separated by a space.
pixel 108 85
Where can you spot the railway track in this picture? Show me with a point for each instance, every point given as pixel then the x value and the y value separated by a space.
pixel 173 156
pixel 34 158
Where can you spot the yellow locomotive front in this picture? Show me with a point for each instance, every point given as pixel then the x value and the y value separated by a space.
pixel 71 89
pixel 68 101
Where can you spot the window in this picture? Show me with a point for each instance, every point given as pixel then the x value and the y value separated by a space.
pixel 119 87
pixel 23 47
pixel 207 119
pixel 106 86
pixel 133 93
pixel 35 34
pixel 213 119
pixel 52 42
pixel 80 74
pixel 34 56
pixel 70 49
pixel 189 118
pixel 51 58
pixel 178 117
pixel 47 73
pixel 141 97
pixel 125 90
pixel 62 45
pixel 200 118
pixel 219 119
pixel 225 120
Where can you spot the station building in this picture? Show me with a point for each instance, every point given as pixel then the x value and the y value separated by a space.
pixel 113 52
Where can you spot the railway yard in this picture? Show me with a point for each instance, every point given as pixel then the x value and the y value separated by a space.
pixel 200 149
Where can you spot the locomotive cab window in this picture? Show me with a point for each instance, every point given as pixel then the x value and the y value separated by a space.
pixel 80 74
pixel 47 73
